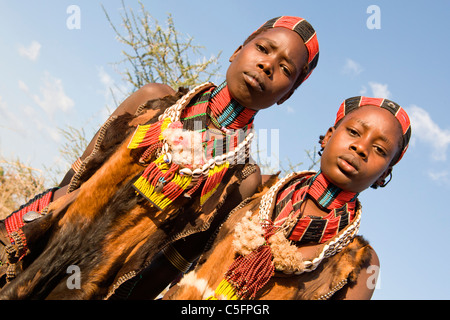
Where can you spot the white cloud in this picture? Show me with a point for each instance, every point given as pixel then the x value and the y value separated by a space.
pixel 290 110
pixel 352 68
pixel 112 93
pixel 23 86
pixel 439 176
pixel 380 90
pixel 426 130
pixel 105 78
pixel 52 97
pixel 8 119
pixel 6 114
pixel 31 52
pixel 53 133
pixel 363 91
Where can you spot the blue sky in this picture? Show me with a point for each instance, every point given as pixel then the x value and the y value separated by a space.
pixel 53 77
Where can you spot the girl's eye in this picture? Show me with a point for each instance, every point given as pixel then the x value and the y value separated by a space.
pixel 286 70
pixel 261 48
pixel 380 151
pixel 352 132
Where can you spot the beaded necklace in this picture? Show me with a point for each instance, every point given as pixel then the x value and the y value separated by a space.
pixel 227 112
pixel 218 105
pixel 339 204
pixel 264 245
pixel 187 150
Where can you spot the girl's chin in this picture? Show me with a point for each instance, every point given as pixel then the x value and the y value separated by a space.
pixel 340 179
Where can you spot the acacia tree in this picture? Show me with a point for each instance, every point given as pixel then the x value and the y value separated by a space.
pixel 18 183
pixel 157 54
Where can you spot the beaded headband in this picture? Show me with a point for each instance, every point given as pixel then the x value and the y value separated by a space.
pixel 305 31
pixel 400 114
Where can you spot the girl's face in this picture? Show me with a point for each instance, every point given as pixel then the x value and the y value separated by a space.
pixel 264 71
pixel 360 150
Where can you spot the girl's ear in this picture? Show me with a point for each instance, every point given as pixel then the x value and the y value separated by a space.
pixel 381 181
pixel 327 137
pixel 235 53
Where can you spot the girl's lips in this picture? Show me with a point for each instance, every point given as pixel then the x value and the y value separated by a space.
pixel 254 81
pixel 347 164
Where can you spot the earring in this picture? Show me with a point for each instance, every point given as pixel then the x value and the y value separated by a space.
pixel 386 183
pixel 383 183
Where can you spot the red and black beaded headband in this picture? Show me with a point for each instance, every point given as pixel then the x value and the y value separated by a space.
pixel 400 114
pixel 306 32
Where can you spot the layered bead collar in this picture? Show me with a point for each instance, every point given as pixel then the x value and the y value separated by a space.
pixel 221 108
pixel 339 204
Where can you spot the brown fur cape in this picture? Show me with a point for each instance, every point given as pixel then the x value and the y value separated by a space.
pixel 103 227
pixel 332 274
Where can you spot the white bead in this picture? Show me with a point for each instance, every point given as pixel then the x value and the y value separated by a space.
pixel 239 147
pixel 205 169
pixel 196 173
pixel 167 158
pixel 218 160
pixel 211 163
pixel 230 155
pixel 186 171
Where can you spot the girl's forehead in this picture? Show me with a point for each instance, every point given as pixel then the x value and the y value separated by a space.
pixel 371 112
pixel 288 40
pixel 279 34
pixel 374 117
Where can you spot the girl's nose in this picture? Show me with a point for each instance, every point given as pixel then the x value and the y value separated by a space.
pixel 359 148
pixel 266 67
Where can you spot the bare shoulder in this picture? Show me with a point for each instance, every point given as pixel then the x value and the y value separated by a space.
pixel 366 282
pixel 156 90
pixel 251 183
pixel 374 260
pixel 147 92
pixel 251 180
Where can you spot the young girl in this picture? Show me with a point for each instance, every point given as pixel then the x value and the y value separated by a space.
pixel 130 198
pixel 297 240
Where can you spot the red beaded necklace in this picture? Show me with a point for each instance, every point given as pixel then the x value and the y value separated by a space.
pixel 249 273
pixel 224 111
pixel 339 203
pixel 173 140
